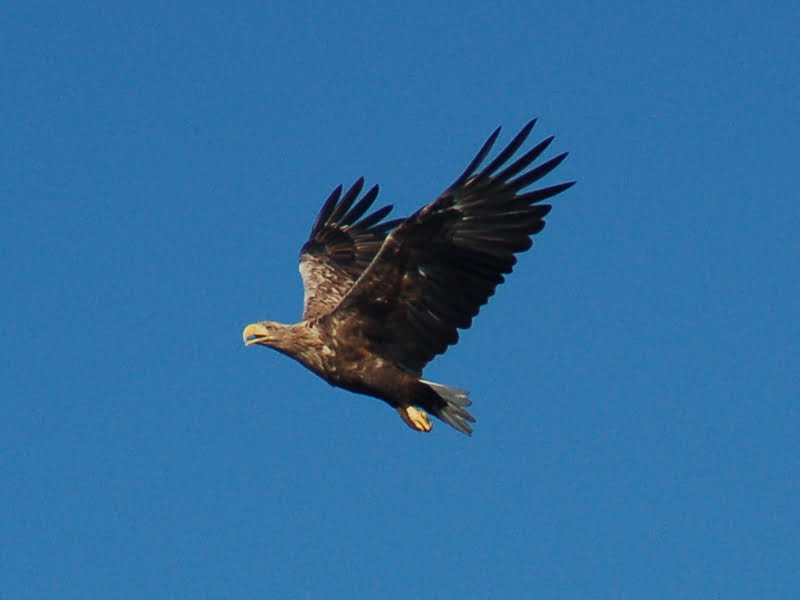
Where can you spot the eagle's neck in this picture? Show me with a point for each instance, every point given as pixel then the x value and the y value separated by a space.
pixel 300 341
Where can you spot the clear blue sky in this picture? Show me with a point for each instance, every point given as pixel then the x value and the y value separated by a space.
pixel 636 381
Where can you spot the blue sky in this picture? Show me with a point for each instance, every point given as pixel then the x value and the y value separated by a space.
pixel 635 382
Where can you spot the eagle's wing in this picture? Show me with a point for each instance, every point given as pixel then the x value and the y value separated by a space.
pixel 436 269
pixel 341 245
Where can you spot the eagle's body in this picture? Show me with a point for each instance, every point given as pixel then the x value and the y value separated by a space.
pixel 383 298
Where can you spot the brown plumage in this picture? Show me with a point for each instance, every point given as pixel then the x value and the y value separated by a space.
pixel 382 298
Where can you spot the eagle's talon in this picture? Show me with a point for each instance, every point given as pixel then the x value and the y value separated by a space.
pixel 415 418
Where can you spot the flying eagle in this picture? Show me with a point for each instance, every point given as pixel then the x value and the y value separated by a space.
pixel 382 298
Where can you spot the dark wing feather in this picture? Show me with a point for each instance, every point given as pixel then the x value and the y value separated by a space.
pixel 436 269
pixel 340 247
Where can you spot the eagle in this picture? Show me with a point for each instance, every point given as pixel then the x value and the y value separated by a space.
pixel 384 297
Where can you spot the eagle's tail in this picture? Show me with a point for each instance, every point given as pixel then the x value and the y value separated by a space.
pixel 449 405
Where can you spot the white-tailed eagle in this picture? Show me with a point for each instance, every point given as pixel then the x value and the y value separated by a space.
pixel 383 298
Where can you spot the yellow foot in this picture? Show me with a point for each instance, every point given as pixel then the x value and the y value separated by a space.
pixel 415 418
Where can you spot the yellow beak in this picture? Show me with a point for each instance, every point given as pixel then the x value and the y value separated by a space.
pixel 254 333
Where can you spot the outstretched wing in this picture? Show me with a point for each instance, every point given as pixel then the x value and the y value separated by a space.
pixel 435 270
pixel 340 247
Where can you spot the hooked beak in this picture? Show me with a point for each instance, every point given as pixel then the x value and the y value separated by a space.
pixel 255 333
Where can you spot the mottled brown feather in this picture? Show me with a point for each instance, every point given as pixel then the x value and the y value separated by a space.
pixel 340 247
